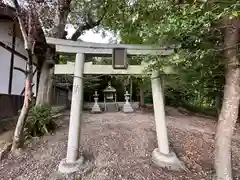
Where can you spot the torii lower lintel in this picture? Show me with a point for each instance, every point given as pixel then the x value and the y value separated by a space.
pixel 90 68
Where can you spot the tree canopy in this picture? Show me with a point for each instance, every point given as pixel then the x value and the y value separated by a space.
pixel 195 26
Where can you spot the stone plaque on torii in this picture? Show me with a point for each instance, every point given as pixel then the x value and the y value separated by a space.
pixel 162 156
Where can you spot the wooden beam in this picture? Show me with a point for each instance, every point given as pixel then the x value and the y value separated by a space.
pixel 68 46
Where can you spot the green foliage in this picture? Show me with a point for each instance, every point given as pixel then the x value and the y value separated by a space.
pixel 62 60
pixel 196 27
pixel 40 121
pixel 91 83
pixel 148 99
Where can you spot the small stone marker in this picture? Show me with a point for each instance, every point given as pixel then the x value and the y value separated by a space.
pixel 96 108
pixel 127 108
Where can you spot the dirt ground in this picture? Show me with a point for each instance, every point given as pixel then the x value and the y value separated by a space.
pixel 118 146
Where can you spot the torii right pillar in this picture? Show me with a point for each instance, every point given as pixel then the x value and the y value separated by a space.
pixel 162 156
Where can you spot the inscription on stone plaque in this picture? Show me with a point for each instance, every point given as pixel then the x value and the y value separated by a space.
pixel 76 89
pixel 119 58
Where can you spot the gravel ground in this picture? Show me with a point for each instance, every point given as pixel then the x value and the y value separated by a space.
pixel 118 146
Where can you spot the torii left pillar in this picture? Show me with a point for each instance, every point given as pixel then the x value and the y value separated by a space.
pixel 73 162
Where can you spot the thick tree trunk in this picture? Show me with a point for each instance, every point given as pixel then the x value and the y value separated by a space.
pixel 43 85
pixel 62 12
pixel 50 87
pixel 229 111
pixel 45 91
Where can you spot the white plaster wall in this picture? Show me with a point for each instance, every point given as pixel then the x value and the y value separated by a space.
pixel 18 81
pixel 6 32
pixel 18 77
pixel 4 70
pixel 5 56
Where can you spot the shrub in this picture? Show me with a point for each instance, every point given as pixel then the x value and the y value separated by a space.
pixel 40 121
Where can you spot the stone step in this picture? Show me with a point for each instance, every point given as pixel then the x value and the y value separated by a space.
pixel 111 107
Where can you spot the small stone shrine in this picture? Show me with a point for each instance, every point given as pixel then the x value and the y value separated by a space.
pixel 110 99
pixel 127 107
pixel 96 107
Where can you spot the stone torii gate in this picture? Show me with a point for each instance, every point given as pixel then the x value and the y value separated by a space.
pixel 162 156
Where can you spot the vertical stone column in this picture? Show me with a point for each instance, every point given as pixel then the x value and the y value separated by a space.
pixel 162 155
pixel 159 113
pixel 72 162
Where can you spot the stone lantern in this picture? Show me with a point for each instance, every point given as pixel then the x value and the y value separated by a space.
pixel 96 108
pixel 127 107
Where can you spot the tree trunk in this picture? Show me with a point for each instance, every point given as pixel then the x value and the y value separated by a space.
pixel 46 81
pixel 131 89
pixel 29 47
pixel 50 86
pixel 142 103
pixel 18 138
pixel 229 110
pixel 43 85
pixel 62 11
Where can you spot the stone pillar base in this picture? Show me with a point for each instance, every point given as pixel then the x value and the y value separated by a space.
pixel 96 109
pixel 65 167
pixel 127 108
pixel 169 161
